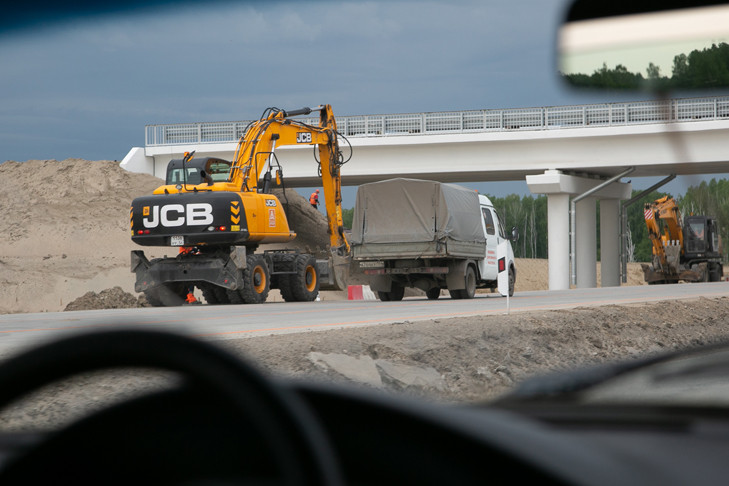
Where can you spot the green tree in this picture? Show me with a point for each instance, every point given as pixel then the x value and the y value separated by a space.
pixel 617 78
pixel 529 215
pixel 347 215
pixel 653 71
pixel 705 68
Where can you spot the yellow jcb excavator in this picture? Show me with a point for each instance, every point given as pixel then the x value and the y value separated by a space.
pixel 688 250
pixel 224 218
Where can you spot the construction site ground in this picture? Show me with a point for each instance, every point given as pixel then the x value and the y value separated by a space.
pixel 64 244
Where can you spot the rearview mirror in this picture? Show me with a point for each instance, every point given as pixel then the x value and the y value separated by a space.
pixel 680 45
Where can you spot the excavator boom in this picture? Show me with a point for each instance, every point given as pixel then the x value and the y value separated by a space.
pixel 276 128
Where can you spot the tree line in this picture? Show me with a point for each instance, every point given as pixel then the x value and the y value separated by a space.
pixel 706 68
pixel 529 215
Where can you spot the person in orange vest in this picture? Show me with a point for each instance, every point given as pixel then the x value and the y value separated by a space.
pixel 190 299
pixel 314 199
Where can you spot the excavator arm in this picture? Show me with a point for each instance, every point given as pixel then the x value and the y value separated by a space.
pixel 668 232
pixel 276 128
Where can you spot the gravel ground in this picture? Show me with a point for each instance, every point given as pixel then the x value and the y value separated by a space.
pixel 460 360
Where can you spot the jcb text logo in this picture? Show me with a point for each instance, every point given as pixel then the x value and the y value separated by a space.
pixel 303 137
pixel 171 215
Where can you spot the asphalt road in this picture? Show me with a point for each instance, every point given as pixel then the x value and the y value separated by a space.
pixel 237 321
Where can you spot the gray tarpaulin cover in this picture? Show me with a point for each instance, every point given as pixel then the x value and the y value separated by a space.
pixel 411 210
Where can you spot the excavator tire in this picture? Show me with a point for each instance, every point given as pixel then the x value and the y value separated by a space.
pixel 715 272
pixel 215 295
pixel 304 282
pixel 285 262
pixel 256 282
pixel 169 295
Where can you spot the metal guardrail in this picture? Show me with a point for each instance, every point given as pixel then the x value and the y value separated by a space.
pixel 545 118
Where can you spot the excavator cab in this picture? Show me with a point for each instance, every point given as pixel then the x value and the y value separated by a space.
pixel 701 236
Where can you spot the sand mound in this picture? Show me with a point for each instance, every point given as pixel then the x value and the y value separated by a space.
pixel 65 230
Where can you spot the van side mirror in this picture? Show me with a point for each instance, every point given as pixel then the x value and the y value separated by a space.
pixel 514 233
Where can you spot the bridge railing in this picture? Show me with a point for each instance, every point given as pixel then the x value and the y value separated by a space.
pixel 544 118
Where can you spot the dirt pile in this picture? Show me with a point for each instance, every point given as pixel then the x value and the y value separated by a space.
pixel 65 230
pixel 462 360
pixel 114 298
pixel 479 358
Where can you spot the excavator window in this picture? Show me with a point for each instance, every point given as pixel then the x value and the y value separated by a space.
pixel 697 229
pixel 218 170
pixel 175 176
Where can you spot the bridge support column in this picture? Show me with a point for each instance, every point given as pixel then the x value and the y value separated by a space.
pixel 559 187
pixel 586 243
pixel 609 243
pixel 558 242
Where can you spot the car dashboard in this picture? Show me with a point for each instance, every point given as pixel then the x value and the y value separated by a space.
pixel 224 422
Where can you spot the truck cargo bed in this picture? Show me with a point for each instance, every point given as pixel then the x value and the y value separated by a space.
pixel 425 249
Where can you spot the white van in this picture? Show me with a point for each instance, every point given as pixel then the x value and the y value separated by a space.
pixel 432 236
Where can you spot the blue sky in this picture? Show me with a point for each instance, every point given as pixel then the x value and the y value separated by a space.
pixel 87 89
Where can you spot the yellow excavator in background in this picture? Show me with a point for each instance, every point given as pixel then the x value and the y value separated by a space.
pixel 226 219
pixel 688 250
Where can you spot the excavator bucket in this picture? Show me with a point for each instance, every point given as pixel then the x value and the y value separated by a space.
pixel 336 275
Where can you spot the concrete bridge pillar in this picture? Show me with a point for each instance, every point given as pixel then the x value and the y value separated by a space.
pixel 558 247
pixel 559 187
pixel 610 243
pixel 586 243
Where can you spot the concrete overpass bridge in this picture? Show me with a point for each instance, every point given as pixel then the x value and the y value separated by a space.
pixel 576 155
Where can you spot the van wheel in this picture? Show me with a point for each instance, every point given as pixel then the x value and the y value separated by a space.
pixel 433 293
pixel 396 293
pixel 470 286
pixel 512 282
pixel 470 291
